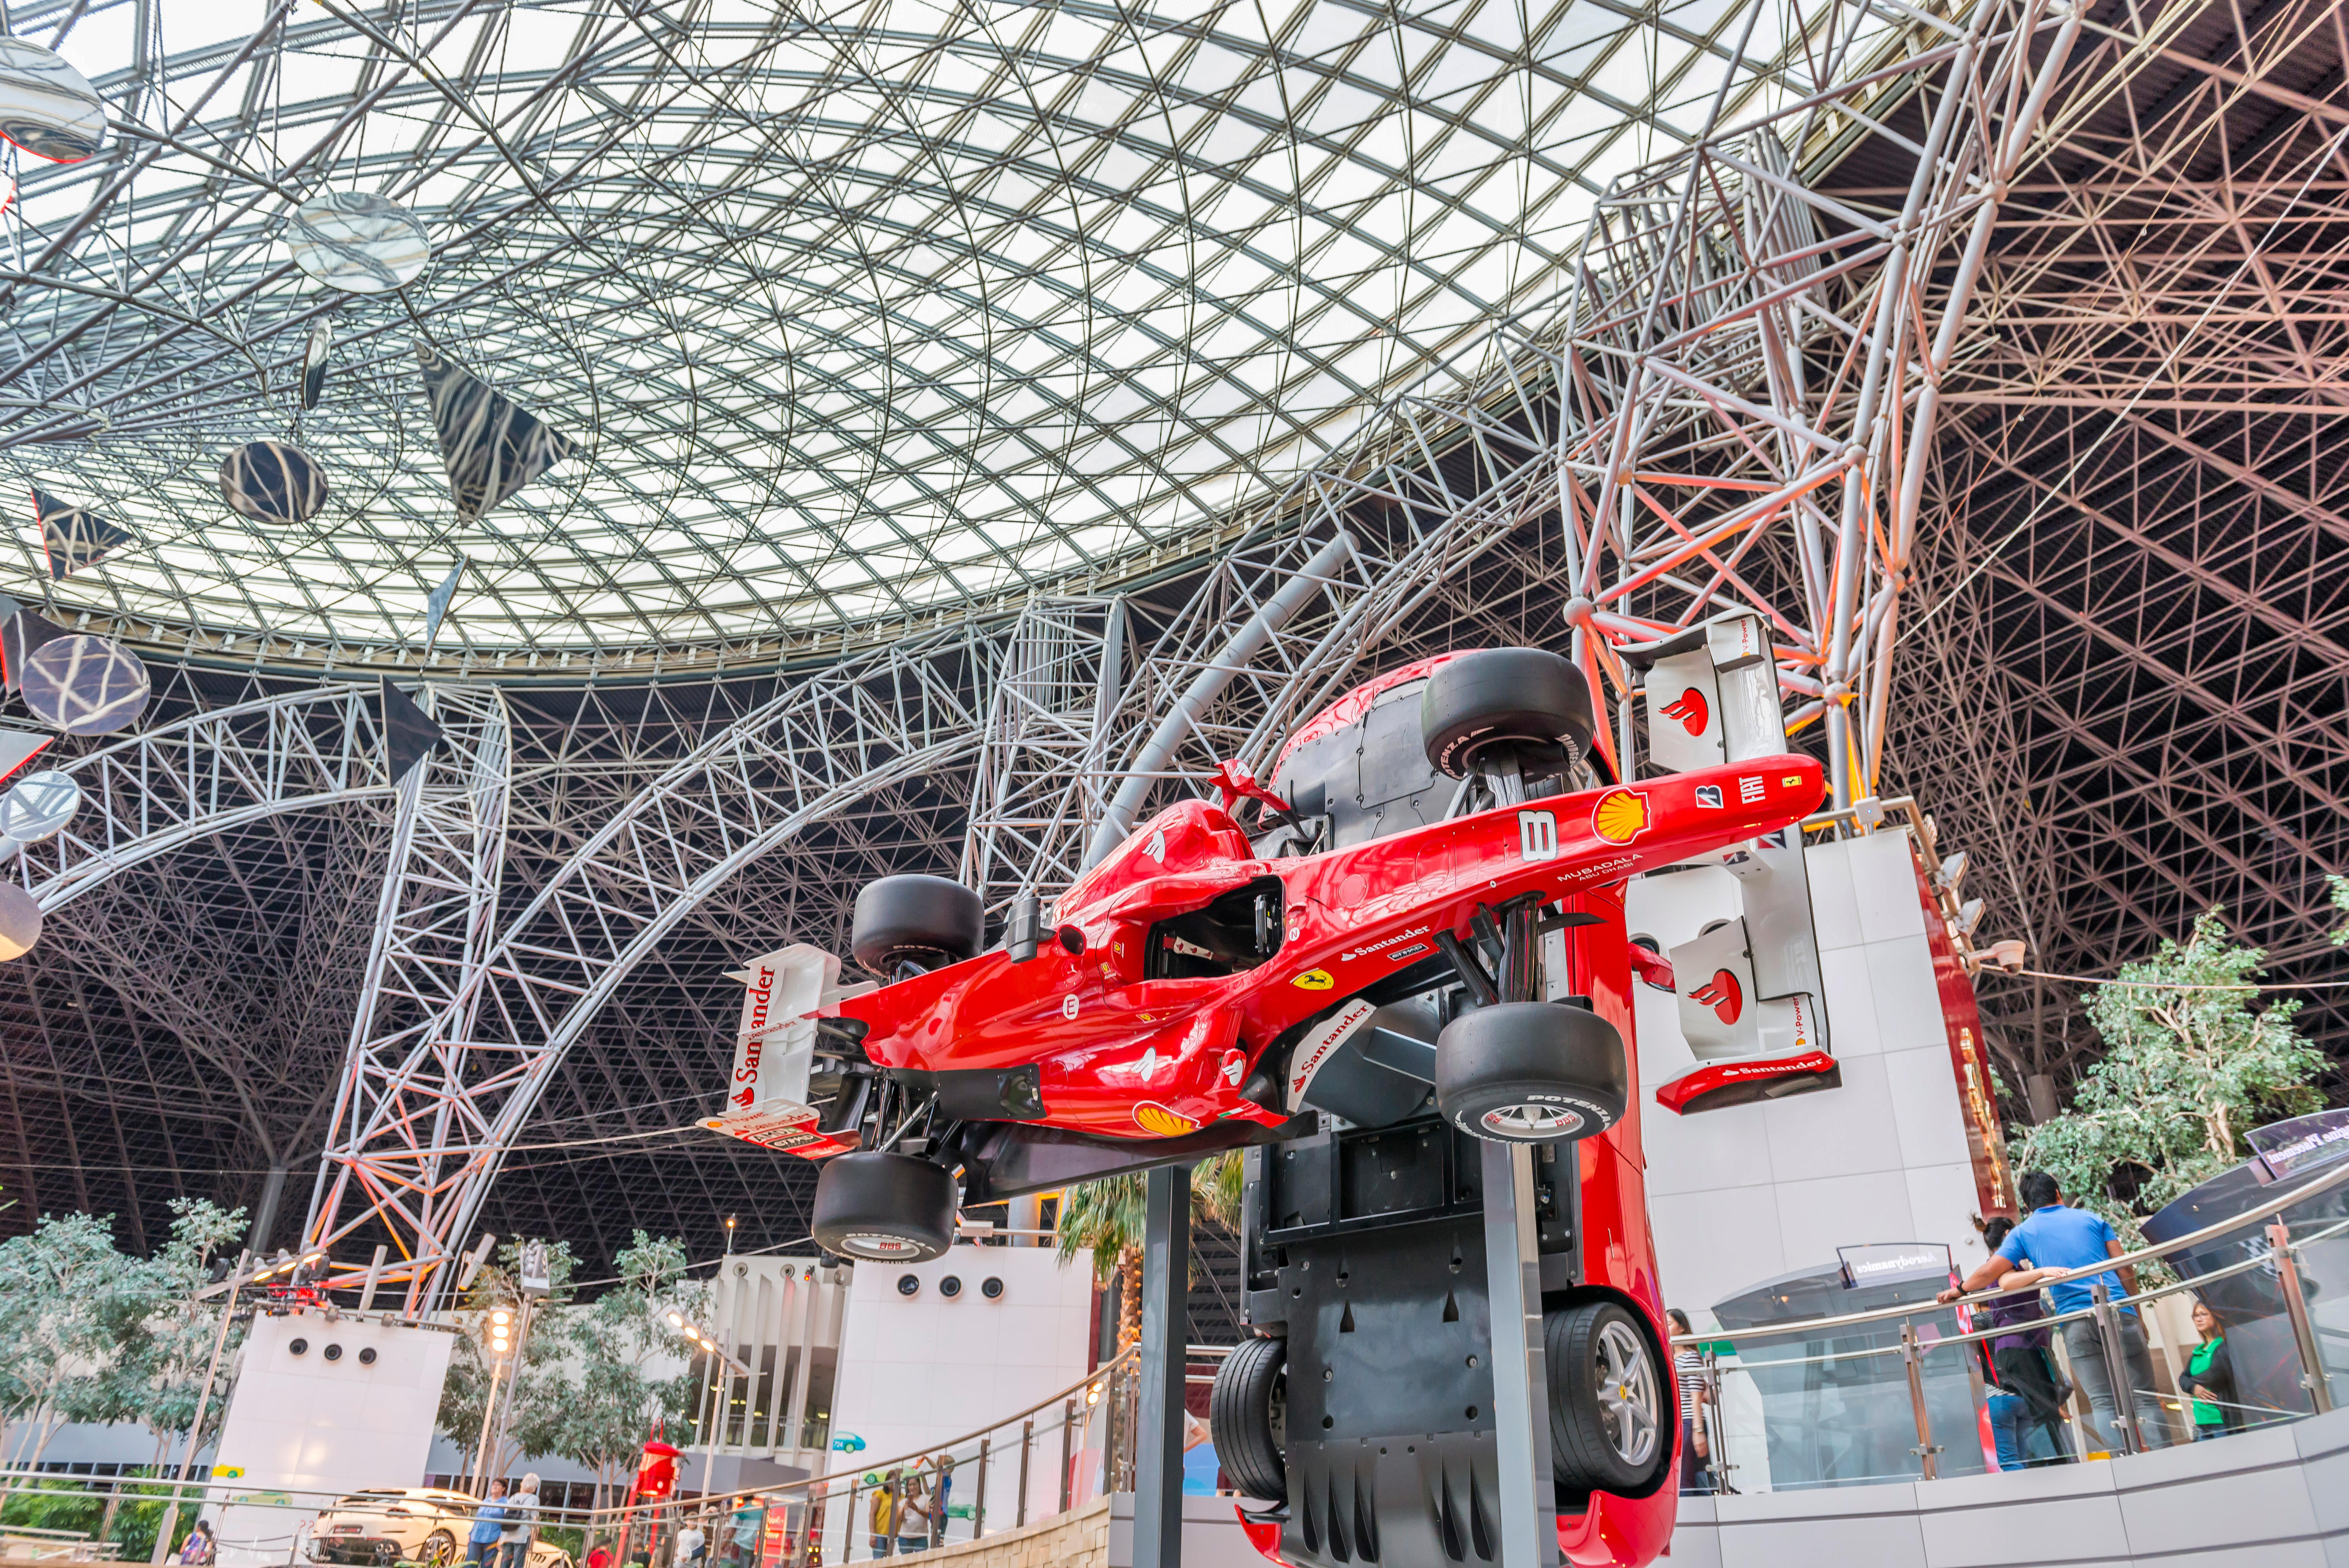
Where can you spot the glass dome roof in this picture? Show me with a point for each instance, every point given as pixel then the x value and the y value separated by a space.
pixel 855 314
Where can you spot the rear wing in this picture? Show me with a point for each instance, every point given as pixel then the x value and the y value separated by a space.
pixel 774 1054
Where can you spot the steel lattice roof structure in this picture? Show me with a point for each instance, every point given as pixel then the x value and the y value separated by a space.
pixel 955 381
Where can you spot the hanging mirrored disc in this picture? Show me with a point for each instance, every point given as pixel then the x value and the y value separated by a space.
pixel 273 481
pixel 38 807
pixel 352 240
pixel 85 686
pixel 20 922
pixel 47 107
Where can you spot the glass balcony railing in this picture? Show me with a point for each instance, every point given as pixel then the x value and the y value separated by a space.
pixel 1924 1391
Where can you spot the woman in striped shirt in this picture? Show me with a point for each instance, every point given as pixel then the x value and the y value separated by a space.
pixel 1696 1459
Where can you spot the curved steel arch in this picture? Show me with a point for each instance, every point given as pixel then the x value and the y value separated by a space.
pixel 206 774
pixel 419 1141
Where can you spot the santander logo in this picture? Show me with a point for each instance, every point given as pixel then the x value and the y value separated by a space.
pixel 1691 709
pixel 1724 995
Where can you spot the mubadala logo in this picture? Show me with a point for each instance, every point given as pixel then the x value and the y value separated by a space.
pixel 1364 952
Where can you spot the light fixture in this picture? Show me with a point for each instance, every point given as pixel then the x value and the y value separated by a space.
pixel 1952 870
pixel 1969 915
pixel 677 1320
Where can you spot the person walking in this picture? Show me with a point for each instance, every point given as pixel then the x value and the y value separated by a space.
pixel 599 1556
pixel 2209 1377
pixel 520 1525
pixel 2025 1398
pixel 2069 1244
pixel 881 1513
pixel 1688 1366
pixel 692 1544
pixel 489 1523
pixel 196 1552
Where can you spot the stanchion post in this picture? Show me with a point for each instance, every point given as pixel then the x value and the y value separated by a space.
pixel 978 1503
pixel 1027 1441
pixel 1520 1370
pixel 1166 1341
pixel 1927 1451
pixel 2295 1306
pixel 2109 1336
pixel 1068 1480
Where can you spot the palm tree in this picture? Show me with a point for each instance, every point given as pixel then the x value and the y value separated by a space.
pixel 1107 1215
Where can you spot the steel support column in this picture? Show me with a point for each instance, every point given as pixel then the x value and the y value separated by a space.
pixel 1165 1343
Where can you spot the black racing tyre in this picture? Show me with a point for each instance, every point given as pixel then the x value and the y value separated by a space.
pixel 1247 1418
pixel 1531 1072
pixel 891 1207
pixel 438 1548
pixel 918 917
pixel 1611 1422
pixel 1526 697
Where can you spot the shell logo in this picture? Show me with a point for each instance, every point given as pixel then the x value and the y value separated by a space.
pixel 1160 1122
pixel 1620 816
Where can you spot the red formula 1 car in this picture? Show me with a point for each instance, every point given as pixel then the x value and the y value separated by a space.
pixel 1420 945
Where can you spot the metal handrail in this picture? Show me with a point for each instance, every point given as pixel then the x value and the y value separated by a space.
pixel 1995 1330
pixel 2269 1209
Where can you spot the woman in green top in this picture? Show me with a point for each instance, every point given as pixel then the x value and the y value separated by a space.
pixel 2209 1377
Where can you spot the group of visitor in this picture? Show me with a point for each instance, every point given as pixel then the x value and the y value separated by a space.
pixel 2063 1249
pixel 504 1527
pixel 2067 1252
pixel 917 1521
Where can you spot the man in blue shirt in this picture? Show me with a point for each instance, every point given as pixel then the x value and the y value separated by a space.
pixel 2056 1239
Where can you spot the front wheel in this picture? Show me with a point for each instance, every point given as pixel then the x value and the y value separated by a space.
pixel 928 919
pixel 1483 704
pixel 891 1207
pixel 1247 1418
pixel 438 1548
pixel 1531 1072
pixel 1610 1401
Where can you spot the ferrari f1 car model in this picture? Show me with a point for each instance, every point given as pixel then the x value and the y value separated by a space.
pixel 1417 943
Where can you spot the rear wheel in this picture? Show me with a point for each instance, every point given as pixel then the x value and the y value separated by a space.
pixel 1527 700
pixel 1247 1418
pixel 891 1207
pixel 929 920
pixel 1531 1072
pixel 1610 1401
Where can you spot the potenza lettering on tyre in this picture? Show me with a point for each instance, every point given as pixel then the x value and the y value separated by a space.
pixel 1320 1042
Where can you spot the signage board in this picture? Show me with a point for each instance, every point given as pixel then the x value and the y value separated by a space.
pixel 1894 1262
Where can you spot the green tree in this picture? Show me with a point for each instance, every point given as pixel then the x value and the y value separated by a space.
pixel 68 1298
pixel 609 1381
pixel 2189 1065
pixel 162 1361
pixel 2340 890
pixel 1108 1215
pixel 541 1385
